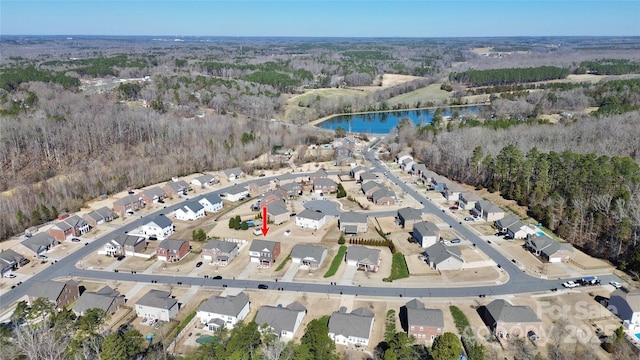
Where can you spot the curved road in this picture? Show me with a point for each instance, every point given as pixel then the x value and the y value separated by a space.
pixel 519 282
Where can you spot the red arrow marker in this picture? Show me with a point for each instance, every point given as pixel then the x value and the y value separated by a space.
pixel 265 229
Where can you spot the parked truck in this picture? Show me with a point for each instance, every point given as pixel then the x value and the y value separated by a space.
pixel 589 280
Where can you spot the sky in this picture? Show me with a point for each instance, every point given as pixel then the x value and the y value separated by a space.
pixel 350 18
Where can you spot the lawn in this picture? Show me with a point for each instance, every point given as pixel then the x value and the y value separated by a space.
pixel 284 262
pixel 429 93
pixel 335 264
pixel 399 269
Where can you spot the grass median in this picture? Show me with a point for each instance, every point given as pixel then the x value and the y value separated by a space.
pixel 337 260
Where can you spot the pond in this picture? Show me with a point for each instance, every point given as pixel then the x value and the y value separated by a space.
pixel 384 122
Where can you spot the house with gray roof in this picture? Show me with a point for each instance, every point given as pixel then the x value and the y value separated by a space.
pixel 503 223
pixel 369 187
pixel 11 260
pixel 233 174
pixel 422 323
pixel 418 169
pixel 290 190
pixel 260 186
pixel 235 193
pixel 100 216
pixel 129 203
pixel 172 250
pixel 403 156
pixel 351 328
pixel 383 197
pixel 487 211
pixel 283 321
pixel 40 243
pixel 227 311
pixel 407 165
pixel 325 185
pixel 356 171
pixel 160 226
pixel 467 200
pixel 277 212
pixel 69 227
pixel 264 252
pixel 153 195
pixel 105 299
pixel 319 174
pixel 204 180
pixel 506 320
pixel 211 202
pixel 407 217
pixel 352 223
pixel 157 304
pixel 442 257
pixel 310 219
pixel 518 230
pixel 176 188
pixel 60 294
pixel 190 210
pixel 363 258
pixel 307 255
pixel 626 305
pixel 452 191
pixel 125 245
pixel 367 176
pixel 426 233
pixel 548 249
pixel 220 252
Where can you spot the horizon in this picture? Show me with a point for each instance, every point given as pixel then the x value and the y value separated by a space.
pixel 322 19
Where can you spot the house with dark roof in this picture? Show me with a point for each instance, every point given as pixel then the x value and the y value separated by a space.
pixel 503 223
pixel 383 197
pixel 356 171
pixel 549 249
pixel 308 256
pixel 418 169
pixel 189 211
pixel 260 186
pixel 160 226
pixel 220 252
pixel 69 227
pixel 467 200
pixel 153 195
pixel 125 245
pixel 129 203
pixel 264 252
pixel 211 202
pixel 105 299
pixel 626 305
pixel 235 193
pixel 519 230
pixel 319 174
pixel 310 219
pixel 363 258
pixel 157 304
pixel 223 312
pixel 282 321
pixel 442 257
pixel 426 233
pixel 40 243
pixel 369 187
pixel 407 217
pixel 290 190
pixel 11 260
pixel 352 223
pixel 100 216
pixel 277 212
pixel 325 185
pixel 234 173
pixel 407 165
pixel 422 323
pixel 352 328
pixel 505 320
pixel 59 293
pixel 487 211
pixel 367 176
pixel 438 182
pixel 204 180
pixel 173 250
pixel 176 188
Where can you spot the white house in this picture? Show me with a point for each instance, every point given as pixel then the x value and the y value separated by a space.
pixel 402 156
pixel 204 179
pixel 307 255
pixel 426 233
pixel 441 257
pixel 160 227
pixel 351 328
pixel 218 311
pixel 211 203
pixel 310 219
pixel 236 193
pixel 283 321
pixel 191 210
pixel 157 304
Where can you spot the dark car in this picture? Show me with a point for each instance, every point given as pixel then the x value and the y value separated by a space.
pixel 263 286
pixel 120 258
pixel 199 263
pixel 468 219
pixel 153 238
pixel 453 208
pixel 217 277
pixel 75 240
pixel 455 241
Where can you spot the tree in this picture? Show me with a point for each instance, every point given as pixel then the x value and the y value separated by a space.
pixel 446 347
pixel 245 225
pixel 200 235
pixel 232 223
pixel 316 343
pixel 341 132
pixel 122 345
pixel 341 191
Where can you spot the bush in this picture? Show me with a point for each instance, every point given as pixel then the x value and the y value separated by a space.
pixel 341 240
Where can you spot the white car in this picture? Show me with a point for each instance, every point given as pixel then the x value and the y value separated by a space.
pixel 287 232
pixel 570 284
pixel 615 284
pixel 10 276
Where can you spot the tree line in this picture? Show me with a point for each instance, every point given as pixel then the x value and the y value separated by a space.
pixel 509 75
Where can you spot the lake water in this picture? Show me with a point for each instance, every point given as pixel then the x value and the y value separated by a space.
pixel 384 122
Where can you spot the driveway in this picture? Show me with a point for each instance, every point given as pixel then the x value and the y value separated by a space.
pixel 348 275
pixel 291 272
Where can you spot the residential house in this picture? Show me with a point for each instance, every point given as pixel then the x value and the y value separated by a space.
pixel 69 227
pixel 345 160
pixel 467 200
pixel 39 244
pixel 369 187
pixel 452 191
pixel 505 320
pixel 176 188
pixel 319 174
pixel 402 156
pixel 426 233
pixel 278 212
pixel 11 260
pixel 549 249
pixel 220 252
pixel 309 256
pixel 105 299
pixel 325 186
pixel 352 223
pixel 204 180
pixel 100 216
pixel 264 252
pixel 363 258
pixel 423 323
pixel 626 305
pixel 383 197
pixel 502 224
pixel 129 203
pixel 407 217
pixel 283 321
pixel 211 202
pixel 427 177
pixel 191 210
pixel 407 165
pixel 161 227
pixel 235 193
pixel 59 293
pixel 487 211
pixel 173 250
pixel 290 190
pixel 367 176
pixel 438 183
pixel 272 196
pixel 418 169
pixel 259 187
pixel 518 230
pixel 153 195
pixel 157 304
pixel 356 171
pixel 125 245
pixel 442 257
pixel 223 312
pixel 351 328
pixel 310 219
pixel 233 174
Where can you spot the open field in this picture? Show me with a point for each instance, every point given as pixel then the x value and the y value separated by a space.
pixel 430 93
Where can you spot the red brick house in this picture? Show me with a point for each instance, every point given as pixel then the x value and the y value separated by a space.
pixel 69 227
pixel 422 323
pixel 128 203
pixel 172 250
pixel 60 294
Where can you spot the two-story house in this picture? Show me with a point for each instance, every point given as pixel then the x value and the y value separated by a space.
pixel 157 304
pixel 153 195
pixel 219 252
pixel 69 227
pixel 161 227
pixel 423 323
pixel 127 204
pixel 223 312
pixel 191 210
pixel 352 328
pixel 172 250
pixel 211 203
pixel 282 321
pixel 310 219
pixel 100 216
pixel 426 233
pixel 125 245
pixel 176 188
pixel 61 294
pixel 264 252
pixel 352 223
pixel 105 299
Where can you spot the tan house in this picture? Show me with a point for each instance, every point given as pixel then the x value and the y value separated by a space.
pixel 219 252
pixel 128 203
pixel 259 187
pixel 277 212
pixel 352 223
pixel 105 299
pixel 505 320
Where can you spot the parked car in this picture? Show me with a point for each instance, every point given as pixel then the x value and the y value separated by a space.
pixel 263 286
pixel 287 232
pixel 120 258
pixel 615 284
pixel 199 263
pixel 217 277
pixel 468 218
pixel 76 240
pixel 453 208
pixel 43 257
pixel 455 241
pixel 153 238
pixel 10 276
pixel 570 284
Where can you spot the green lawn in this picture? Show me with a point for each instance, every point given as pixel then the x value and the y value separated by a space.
pixel 399 269
pixel 283 262
pixel 459 318
pixel 429 93
pixel 337 260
